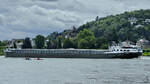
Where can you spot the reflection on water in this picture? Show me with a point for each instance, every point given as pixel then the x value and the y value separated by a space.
pixel 74 71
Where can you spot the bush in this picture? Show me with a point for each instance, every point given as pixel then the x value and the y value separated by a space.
pixel 2 49
pixel 68 43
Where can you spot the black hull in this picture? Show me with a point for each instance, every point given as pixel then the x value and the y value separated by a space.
pixel 81 55
pixel 128 55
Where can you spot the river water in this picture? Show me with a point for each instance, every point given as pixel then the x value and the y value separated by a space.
pixel 74 71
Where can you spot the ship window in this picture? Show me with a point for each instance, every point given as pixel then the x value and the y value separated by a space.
pixel 117 50
pixel 128 50
pixel 120 50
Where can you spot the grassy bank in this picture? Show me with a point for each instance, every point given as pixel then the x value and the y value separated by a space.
pixel 1 50
pixel 146 52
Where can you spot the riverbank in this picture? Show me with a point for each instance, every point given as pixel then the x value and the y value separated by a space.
pixel 146 52
pixel 1 50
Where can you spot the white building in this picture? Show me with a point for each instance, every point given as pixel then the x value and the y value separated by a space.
pixel 17 42
pixel 132 20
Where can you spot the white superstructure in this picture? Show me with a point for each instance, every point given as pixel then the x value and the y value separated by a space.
pixel 125 49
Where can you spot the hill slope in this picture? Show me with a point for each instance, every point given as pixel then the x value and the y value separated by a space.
pixel 129 25
pixel 126 26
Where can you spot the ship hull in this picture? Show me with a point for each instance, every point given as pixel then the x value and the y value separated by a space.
pixel 128 55
pixel 64 53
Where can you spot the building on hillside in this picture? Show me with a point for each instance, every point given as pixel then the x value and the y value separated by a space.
pixel 71 33
pixel 17 42
pixel 138 26
pixel 132 20
pixel 143 43
pixel 147 21
pixel 33 43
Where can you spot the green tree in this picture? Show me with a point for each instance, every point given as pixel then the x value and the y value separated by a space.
pixel 85 33
pixel 40 41
pixel 101 43
pixel 104 46
pixel 75 43
pixel 49 44
pixel 59 41
pixel 87 37
pixel 86 43
pixel 27 43
pixel 2 43
pixel 82 44
pixel 68 43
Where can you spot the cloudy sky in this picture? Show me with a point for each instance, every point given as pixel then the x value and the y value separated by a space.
pixel 22 18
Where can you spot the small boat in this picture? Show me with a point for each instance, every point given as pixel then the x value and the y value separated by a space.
pixel 27 58
pixel 39 58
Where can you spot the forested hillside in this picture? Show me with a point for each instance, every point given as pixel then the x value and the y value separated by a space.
pixel 102 31
pixel 129 25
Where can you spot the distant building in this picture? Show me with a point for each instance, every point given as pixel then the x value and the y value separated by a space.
pixel 132 20
pixel 18 42
pixel 138 26
pixel 71 33
pixel 145 44
pixel 33 43
pixel 147 21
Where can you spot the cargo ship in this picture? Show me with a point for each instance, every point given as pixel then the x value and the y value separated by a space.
pixel 114 51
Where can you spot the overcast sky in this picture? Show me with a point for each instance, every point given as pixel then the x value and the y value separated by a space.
pixel 22 18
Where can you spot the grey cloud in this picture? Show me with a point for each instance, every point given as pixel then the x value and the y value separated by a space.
pixel 49 0
pixel 45 0
pixel 20 18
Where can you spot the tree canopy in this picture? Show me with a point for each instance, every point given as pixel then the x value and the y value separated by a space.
pixel 100 32
pixel 68 43
pixel 86 39
pixel 129 25
pixel 2 43
pixel 27 43
pixel 40 41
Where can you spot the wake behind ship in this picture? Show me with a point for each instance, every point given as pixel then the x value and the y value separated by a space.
pixel 114 51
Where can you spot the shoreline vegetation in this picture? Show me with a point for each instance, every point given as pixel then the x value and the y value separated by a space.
pixel 2 50
pixel 146 52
